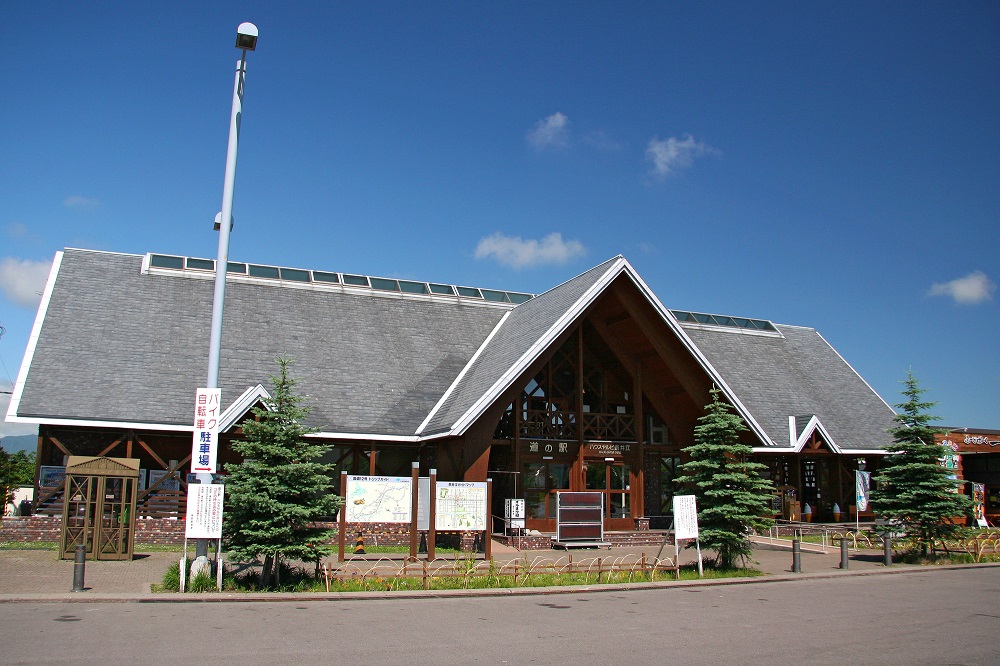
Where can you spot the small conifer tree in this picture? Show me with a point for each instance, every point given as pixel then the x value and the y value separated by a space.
pixel 280 489
pixel 731 494
pixel 913 487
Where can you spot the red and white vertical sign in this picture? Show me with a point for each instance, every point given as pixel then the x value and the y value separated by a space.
pixel 205 444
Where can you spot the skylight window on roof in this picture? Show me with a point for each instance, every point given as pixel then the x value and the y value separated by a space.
pixel 294 274
pixel 236 267
pixel 320 276
pixel 445 289
pixel 724 321
pixel 383 284
pixel 469 291
pixel 263 271
pixel 166 261
pixel 412 287
pixel 495 296
pixel 518 298
pixel 201 264
pixel 358 280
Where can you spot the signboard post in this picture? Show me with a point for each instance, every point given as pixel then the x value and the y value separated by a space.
pixel 686 526
pixel 204 453
pixel 204 520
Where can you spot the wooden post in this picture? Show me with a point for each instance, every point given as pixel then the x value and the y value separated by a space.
pixel 415 499
pixel 343 516
pixel 432 515
pixel 488 537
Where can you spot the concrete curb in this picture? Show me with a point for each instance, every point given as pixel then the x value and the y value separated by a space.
pixel 301 597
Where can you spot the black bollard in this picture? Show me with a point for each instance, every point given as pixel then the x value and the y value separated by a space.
pixel 887 550
pixel 843 554
pixel 796 556
pixel 79 564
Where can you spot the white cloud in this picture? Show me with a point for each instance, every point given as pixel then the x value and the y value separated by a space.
pixel 673 154
pixel 601 141
pixel 974 288
pixel 22 280
pixel 516 252
pixel 81 203
pixel 550 132
pixel 17 230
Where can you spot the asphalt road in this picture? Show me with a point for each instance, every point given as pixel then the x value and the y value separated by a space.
pixel 928 617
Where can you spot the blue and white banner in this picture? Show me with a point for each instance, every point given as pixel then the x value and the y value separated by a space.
pixel 861 483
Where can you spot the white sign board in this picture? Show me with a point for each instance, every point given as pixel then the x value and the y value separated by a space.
pixel 205 439
pixel 379 499
pixel 460 505
pixel 685 517
pixel 204 511
pixel 423 503
pixel 514 513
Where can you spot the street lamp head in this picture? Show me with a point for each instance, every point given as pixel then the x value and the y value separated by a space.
pixel 246 37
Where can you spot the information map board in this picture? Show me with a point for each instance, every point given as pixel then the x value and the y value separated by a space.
pixel 379 499
pixel 460 505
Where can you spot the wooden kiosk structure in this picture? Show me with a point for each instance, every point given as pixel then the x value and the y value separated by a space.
pixel 99 507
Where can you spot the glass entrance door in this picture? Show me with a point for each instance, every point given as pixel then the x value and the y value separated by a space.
pixel 614 480
pixel 542 480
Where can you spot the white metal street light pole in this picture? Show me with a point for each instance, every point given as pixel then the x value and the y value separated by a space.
pixel 246 40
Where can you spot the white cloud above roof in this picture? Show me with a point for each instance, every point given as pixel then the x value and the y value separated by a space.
pixel 23 280
pixel 517 252
pixel 79 203
pixel 974 288
pixel 672 155
pixel 550 132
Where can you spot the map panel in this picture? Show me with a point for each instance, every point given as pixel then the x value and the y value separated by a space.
pixel 461 505
pixel 379 499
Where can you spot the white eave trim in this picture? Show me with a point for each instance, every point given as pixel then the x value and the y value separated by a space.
pixel 812 425
pixel 462 374
pixel 29 353
pixel 130 425
pixel 242 405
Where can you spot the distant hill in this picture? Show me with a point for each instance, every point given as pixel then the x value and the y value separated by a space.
pixel 15 443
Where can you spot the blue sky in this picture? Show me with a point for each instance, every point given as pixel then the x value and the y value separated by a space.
pixel 832 165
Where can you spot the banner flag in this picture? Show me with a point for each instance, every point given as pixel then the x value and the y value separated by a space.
pixel 862 483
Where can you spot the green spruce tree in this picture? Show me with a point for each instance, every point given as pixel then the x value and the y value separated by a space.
pixel 912 486
pixel 274 497
pixel 731 494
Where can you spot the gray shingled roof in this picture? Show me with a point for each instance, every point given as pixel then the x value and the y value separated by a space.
pixel 527 324
pixel 117 345
pixel 799 375
pixel 121 346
